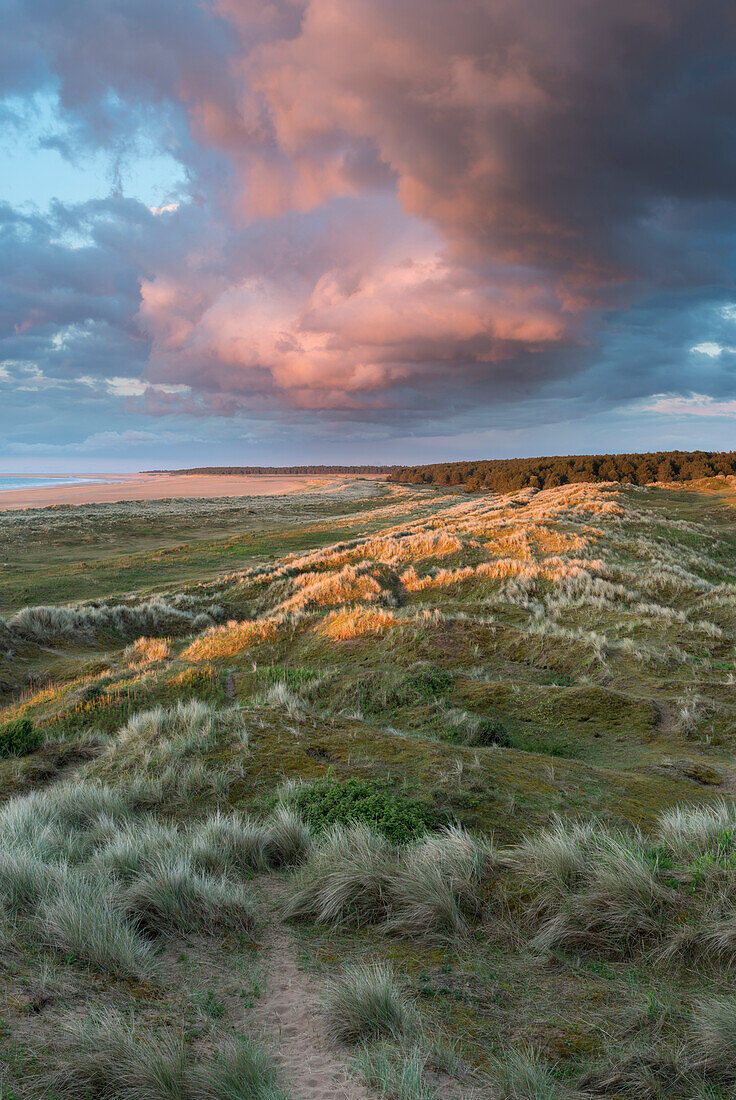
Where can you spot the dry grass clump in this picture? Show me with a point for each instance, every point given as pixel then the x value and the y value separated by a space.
pixel 172 896
pixel 84 624
pixel 591 888
pixel 228 844
pixel 232 638
pixel 522 1075
pixel 83 920
pixel 239 1070
pixel 147 651
pixel 596 889
pixel 289 838
pixel 428 889
pixel 435 890
pixel 236 846
pixel 351 584
pixel 713 1036
pixel 355 622
pixel 281 696
pixel 574 886
pixel 104 1056
pixel 366 1003
pixel 26 881
pixel 152 741
pixel 94 876
pixel 395 1071
pixel 345 879
pixel 135 847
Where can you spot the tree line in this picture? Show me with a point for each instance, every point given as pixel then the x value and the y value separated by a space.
pixel 508 474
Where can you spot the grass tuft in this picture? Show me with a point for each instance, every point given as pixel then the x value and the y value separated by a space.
pixel 522 1075
pixel 173 897
pixel 104 1057
pixel 345 880
pixel 366 1003
pixel 85 922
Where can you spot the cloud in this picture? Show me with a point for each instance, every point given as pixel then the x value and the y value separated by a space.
pixel 696 404
pixel 129 387
pixel 710 348
pixel 396 213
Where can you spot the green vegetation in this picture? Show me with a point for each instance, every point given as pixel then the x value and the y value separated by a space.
pixel 437 786
pixel 371 801
pixel 19 737
pixel 508 474
pixel 366 1003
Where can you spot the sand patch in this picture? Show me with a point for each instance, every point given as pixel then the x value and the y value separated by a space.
pixel 163 486
pixel 290 1020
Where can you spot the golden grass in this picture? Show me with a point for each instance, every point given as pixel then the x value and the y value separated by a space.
pixel 355 622
pixel 230 639
pixel 147 651
pixel 324 589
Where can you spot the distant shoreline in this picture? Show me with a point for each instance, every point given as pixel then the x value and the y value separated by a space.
pixel 157 486
pixel 278 471
pixel 19 482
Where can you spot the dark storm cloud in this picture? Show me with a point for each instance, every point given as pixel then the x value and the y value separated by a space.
pixel 395 210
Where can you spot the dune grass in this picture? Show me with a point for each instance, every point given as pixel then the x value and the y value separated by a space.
pixel 171 896
pixel 553 667
pixel 366 1003
pixel 104 1056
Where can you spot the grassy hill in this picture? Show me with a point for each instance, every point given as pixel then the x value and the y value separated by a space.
pixel 387 792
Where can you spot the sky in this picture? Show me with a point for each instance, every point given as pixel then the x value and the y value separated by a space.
pixel 282 231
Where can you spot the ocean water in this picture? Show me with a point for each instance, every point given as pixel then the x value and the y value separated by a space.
pixel 41 481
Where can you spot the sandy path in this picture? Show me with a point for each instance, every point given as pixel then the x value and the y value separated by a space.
pixel 160 486
pixel 289 1018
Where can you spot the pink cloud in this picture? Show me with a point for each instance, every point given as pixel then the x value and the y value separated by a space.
pixel 517 154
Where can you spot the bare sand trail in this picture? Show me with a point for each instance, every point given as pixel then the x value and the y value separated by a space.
pixel 161 486
pixel 290 1020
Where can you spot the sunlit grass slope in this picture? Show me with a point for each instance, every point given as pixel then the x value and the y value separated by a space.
pixel 472 754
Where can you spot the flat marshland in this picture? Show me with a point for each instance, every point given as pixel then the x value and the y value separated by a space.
pixel 370 791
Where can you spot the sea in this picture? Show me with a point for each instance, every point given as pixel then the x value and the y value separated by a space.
pixel 40 481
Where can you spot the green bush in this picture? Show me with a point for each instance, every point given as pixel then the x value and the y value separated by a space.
pixel 373 802
pixel 461 728
pixel 19 737
pixel 491 731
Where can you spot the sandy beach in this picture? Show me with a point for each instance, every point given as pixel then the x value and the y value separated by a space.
pixel 158 487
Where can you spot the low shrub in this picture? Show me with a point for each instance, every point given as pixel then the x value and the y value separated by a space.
pixel 372 802
pixel 19 737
